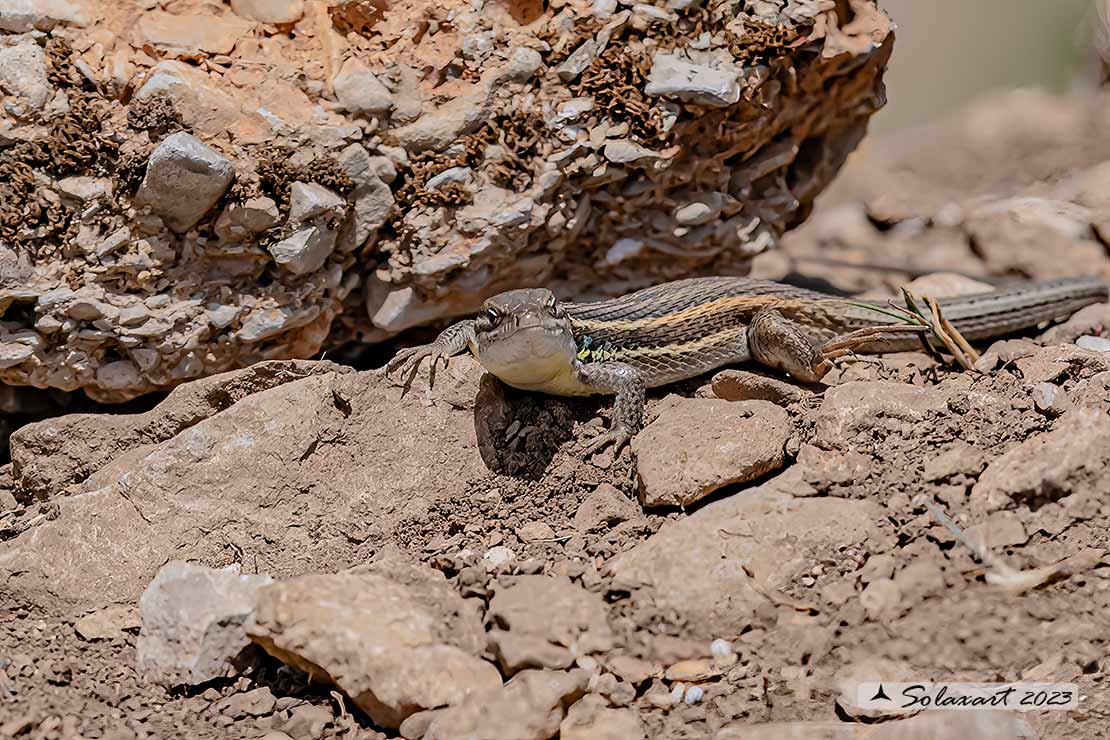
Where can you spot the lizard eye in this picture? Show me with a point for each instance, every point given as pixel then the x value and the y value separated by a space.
pixel 488 319
pixel 552 307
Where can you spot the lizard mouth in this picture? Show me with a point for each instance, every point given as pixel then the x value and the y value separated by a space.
pixel 527 353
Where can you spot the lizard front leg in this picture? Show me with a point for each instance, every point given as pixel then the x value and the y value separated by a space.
pixel 630 386
pixel 450 342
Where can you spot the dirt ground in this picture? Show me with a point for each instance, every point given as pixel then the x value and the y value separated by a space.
pixel 830 565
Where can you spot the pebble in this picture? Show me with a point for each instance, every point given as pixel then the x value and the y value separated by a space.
pixel 310 200
pixel 278 12
pixel 497 557
pixel 1098 344
pixel 304 251
pixel 694 694
pixel 359 91
pixel 675 76
pixel 23 72
pixel 184 164
pixel 578 61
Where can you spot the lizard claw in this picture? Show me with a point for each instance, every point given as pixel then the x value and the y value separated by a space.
pixel 408 362
pixel 618 436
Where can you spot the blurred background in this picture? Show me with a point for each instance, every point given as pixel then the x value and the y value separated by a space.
pixel 949 52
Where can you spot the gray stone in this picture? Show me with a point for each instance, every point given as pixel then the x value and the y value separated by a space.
pixel 373 199
pixel 310 200
pixel 192 622
pixel 23 73
pixel 241 221
pixel 20 16
pixel 678 77
pixel 305 251
pixel 623 151
pixel 183 166
pixel 576 63
pixel 119 374
pixel 263 323
pixel 359 91
pixel 84 189
pixel 523 64
pixel 1098 344
pixel 13 353
pixel 460 175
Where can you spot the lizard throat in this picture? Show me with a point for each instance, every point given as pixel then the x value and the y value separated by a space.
pixel 530 357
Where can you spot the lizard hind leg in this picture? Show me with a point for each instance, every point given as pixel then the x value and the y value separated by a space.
pixel 778 342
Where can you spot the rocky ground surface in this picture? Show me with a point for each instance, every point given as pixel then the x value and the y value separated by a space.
pixel 191 186
pixel 295 550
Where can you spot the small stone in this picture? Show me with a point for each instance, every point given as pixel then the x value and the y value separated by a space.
pixel 1050 399
pixel 21 16
pixel 498 557
pixel 876 567
pixel 459 175
pixel 115 241
pixel 578 61
pixel 881 598
pixel 184 164
pixel 192 622
pixel 606 505
pixel 1001 529
pixel 119 375
pixel 305 251
pixel 373 199
pixel 1098 344
pixel 108 623
pixel 745 385
pixel 696 446
pixel 534 531
pixel 310 200
pixel 23 73
pixel 85 189
pixel 698 669
pixel 254 703
pixel 695 214
pixel 192 32
pixel 523 64
pixel 623 151
pixel 277 12
pixel 14 353
pixel 633 670
pixel 674 76
pixel 240 221
pixel 359 91
pixel 694 694
pixel 263 323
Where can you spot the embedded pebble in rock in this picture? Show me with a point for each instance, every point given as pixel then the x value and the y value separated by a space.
pixel 192 622
pixel 531 706
pixel 675 76
pixel 20 16
pixel 183 164
pixel 269 11
pixel 1001 529
pixel 696 446
pixel 359 90
pixel 544 622
pixel 23 73
pixel 400 641
pixel 689 567
pixel 1098 344
pixel 305 250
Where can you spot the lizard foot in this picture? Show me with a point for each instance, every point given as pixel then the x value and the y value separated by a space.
pixel 618 436
pixel 408 362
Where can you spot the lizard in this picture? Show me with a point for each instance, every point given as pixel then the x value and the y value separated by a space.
pixel 675 331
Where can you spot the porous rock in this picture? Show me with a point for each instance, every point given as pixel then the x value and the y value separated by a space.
pixel 192 622
pixel 394 636
pixel 184 164
pixel 698 445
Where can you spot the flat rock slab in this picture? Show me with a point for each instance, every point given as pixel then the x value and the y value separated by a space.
pixel 696 566
pixel 395 636
pixel 699 445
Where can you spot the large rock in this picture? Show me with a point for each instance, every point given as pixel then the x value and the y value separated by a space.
pixel 184 164
pixel 192 622
pixel 23 73
pixel 699 445
pixel 394 636
pixel 699 566
pixel 311 474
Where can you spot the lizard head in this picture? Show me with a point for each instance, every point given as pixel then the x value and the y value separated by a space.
pixel 524 337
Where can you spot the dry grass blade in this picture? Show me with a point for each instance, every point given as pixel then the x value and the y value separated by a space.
pixel 926 313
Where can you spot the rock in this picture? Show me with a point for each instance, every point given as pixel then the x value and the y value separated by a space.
pixel 85 189
pixel 119 374
pixel 623 151
pixel 21 16
pixel 278 12
pixel 310 201
pixel 588 721
pixel 264 323
pixel 696 565
pixel 182 163
pixel 373 199
pixel 14 353
pixel 523 64
pixel 23 72
pixel 543 622
pixel 941 725
pixel 578 61
pixel 254 703
pixel 674 76
pixel 959 459
pixel 398 640
pixel 1098 344
pixel 498 557
pixel 849 677
pixel 109 623
pixel 359 91
pixel 458 175
pixel 305 251
pixel 1071 458
pixel 192 622
pixel 438 129
pixel 605 506
pixel 535 531
pixel 1001 529
pixel 240 221
pixel 860 406
pixel 745 385
pixel 882 599
pixel 191 32
pixel 697 446
pixel 1050 399
pixel 529 707
pixel 947 285
pixel 309 721
pixel 1088 321
pixel 202 105
pixel 633 670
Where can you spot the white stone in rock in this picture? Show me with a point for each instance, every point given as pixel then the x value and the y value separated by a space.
pixel 678 77
pixel 359 91
pixel 23 73
pixel 269 11
pixel 308 200
pixel 20 16
pixel 184 179
pixel 1098 344
pixel 460 175
pixel 85 189
pixel 305 251
pixel 264 323
pixel 118 375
